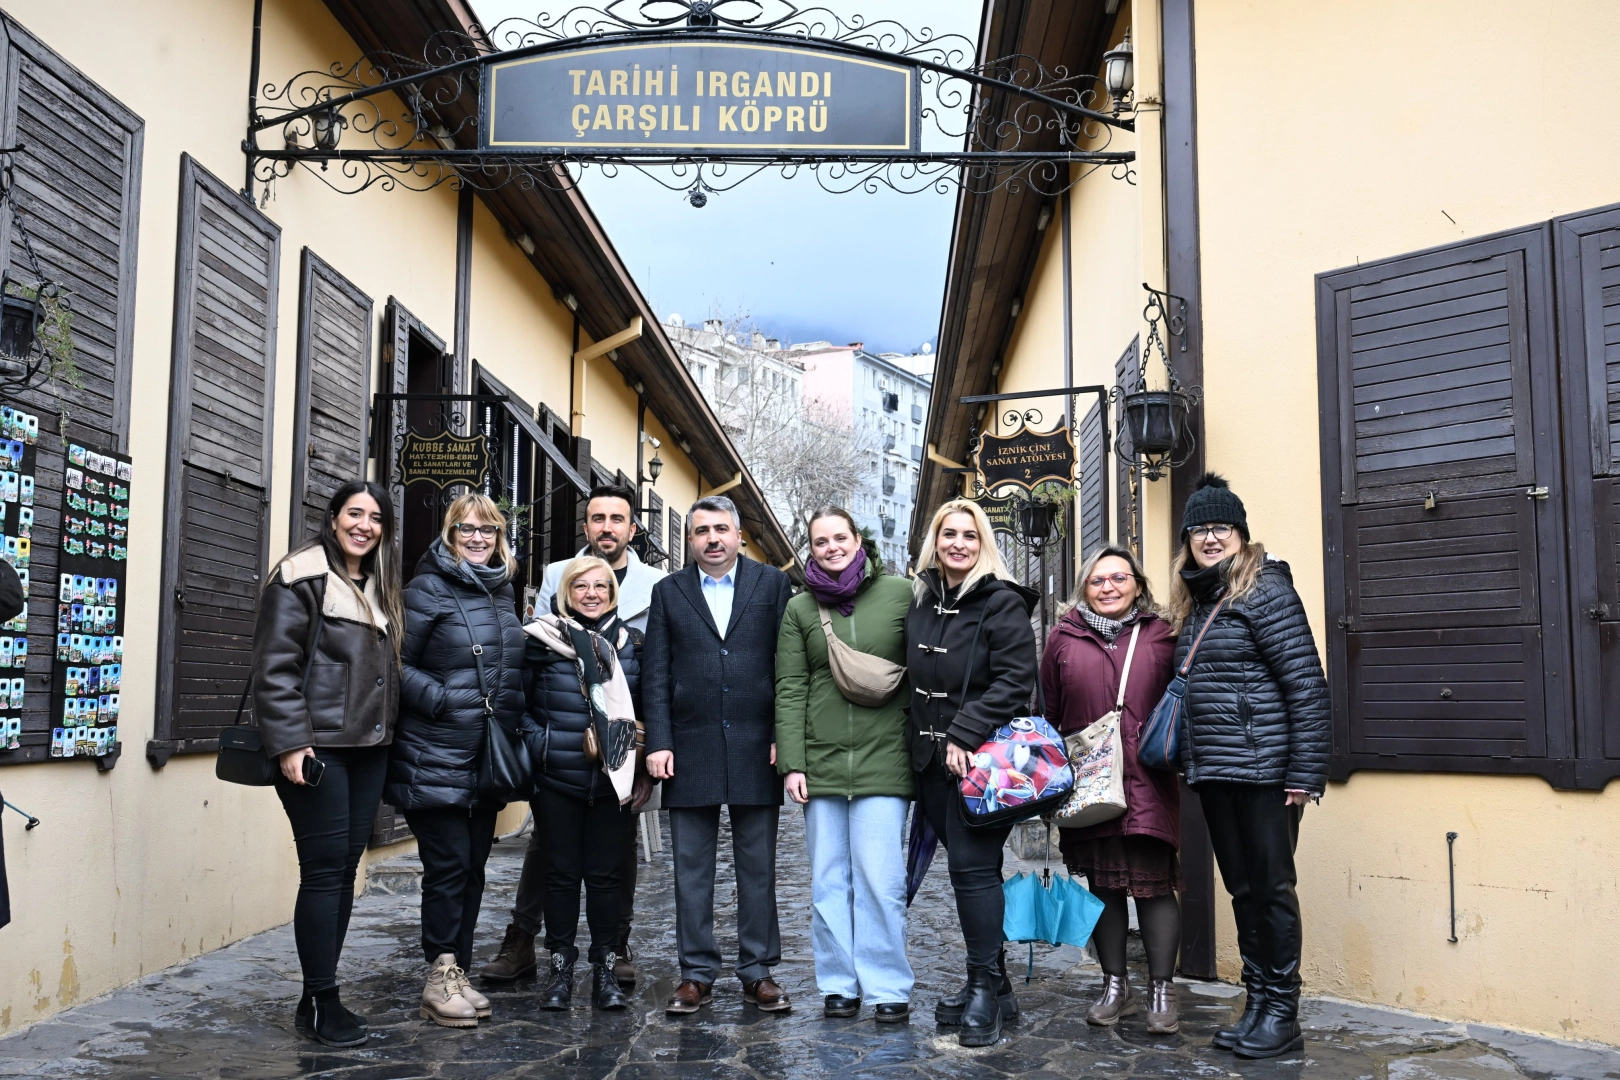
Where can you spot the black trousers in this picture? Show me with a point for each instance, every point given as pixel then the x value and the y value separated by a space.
pixel 694 835
pixel 331 823
pixel 454 845
pixel 585 846
pixel 974 857
pixel 528 909
pixel 1254 834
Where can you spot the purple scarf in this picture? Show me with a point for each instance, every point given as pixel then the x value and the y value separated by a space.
pixel 837 592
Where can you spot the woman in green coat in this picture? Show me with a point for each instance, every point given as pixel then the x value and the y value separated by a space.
pixel 848 766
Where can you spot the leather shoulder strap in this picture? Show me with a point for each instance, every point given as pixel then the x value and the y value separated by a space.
pixel 1192 652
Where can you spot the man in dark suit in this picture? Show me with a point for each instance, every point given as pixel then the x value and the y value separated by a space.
pixel 708 688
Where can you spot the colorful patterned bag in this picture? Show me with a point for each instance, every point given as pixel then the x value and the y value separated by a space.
pixel 1022 771
pixel 1098 757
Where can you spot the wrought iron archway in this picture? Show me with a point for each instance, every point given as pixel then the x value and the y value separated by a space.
pixel 1021 125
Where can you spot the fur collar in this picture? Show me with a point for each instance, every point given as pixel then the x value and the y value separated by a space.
pixel 339 601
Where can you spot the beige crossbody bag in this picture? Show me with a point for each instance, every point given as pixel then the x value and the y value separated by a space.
pixel 862 678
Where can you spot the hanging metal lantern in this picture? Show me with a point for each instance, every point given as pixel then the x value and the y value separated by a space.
pixel 1153 423
pixel 20 317
pixel 1035 521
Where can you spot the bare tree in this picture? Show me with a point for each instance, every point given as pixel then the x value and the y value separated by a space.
pixel 802 453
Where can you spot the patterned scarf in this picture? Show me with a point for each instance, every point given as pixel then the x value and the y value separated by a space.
pixel 1108 628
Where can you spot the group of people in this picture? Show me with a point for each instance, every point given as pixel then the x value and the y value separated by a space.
pixel 719 685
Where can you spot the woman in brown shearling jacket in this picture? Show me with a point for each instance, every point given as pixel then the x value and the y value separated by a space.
pixel 326 688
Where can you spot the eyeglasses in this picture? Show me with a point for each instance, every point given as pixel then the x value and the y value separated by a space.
pixel 1118 579
pixel 592 587
pixel 1203 532
pixel 488 532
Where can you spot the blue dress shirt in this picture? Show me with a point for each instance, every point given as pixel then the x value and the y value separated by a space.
pixel 719 593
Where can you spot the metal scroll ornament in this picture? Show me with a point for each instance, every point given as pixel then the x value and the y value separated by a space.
pixel 1026 458
pixel 443 459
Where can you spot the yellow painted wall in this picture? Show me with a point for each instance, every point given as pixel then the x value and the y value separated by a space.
pixel 1299 173
pixel 136 869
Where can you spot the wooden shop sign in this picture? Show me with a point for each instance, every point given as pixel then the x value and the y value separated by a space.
pixel 444 459
pixel 1026 458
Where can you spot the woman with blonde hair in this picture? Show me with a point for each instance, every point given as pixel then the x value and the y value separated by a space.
pixel 463 666
pixel 1112 650
pixel 971 660
pixel 584 689
pixel 1255 745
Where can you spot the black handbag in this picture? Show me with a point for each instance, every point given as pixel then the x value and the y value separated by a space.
pixel 241 758
pixel 505 768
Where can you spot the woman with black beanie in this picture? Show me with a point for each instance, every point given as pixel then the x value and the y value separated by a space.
pixel 1255 745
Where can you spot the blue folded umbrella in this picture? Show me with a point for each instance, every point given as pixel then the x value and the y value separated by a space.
pixel 1059 911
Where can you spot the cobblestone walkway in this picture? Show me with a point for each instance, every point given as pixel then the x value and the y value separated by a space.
pixel 229 1015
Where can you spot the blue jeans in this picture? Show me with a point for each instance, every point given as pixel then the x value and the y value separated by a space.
pixel 858 896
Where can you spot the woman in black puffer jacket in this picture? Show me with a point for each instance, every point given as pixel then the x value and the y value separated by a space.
pixel 459 616
pixel 585 815
pixel 1255 746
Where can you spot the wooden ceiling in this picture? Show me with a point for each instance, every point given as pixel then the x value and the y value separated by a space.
pixel 573 253
pixel 995 240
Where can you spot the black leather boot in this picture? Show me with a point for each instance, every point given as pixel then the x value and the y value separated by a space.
pixel 1281 932
pixel 981 1015
pixel 558 994
pixel 948 1013
pixel 606 993
pixel 1228 1037
pixel 325 1020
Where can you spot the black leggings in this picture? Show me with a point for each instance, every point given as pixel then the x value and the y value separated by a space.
pixel 454 845
pixel 584 843
pixel 1160 920
pixel 974 857
pixel 331 823
pixel 1254 833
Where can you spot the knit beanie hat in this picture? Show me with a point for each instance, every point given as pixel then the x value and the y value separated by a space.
pixel 1213 502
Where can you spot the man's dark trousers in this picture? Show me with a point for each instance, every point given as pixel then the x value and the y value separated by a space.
pixel 694 835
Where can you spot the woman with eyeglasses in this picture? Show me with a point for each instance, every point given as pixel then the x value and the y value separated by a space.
pixel 463 662
pixel 1255 745
pixel 584 683
pixel 1112 634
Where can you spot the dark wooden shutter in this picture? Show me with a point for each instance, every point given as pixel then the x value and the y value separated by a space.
pixel 1441 480
pixel 217 507
pixel 334 372
pixel 1588 250
pixel 677 541
pixel 77 182
pixel 1127 369
pixel 1093 458
pixel 655 521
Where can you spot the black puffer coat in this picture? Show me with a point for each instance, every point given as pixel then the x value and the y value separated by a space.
pixel 557 704
pixel 435 756
pixel 1257 707
pixel 940 643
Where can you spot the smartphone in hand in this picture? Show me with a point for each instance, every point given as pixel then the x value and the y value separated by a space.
pixel 314 769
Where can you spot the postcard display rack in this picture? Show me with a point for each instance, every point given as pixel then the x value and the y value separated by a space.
pixel 19 434
pixel 87 678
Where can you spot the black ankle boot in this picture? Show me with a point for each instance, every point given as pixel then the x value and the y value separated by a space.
pixel 606 993
pixel 1228 1037
pixel 558 994
pixel 948 1013
pixel 1275 1033
pixel 981 1015
pixel 326 1020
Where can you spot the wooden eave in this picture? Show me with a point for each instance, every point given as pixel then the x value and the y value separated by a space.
pixel 995 241
pixel 574 255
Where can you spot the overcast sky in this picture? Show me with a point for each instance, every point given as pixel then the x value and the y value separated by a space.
pixel 802 263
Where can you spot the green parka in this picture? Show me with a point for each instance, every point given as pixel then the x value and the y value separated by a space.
pixel 843 748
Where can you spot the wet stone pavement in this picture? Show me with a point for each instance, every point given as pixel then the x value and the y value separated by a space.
pixel 228 1014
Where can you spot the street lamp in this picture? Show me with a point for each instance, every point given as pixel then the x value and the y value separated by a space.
pixel 327 127
pixel 654 467
pixel 1119 72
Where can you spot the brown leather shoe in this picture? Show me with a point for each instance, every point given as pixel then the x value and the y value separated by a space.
pixel 766 995
pixel 515 960
pixel 689 997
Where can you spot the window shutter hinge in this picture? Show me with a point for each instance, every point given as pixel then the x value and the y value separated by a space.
pixel 1537 493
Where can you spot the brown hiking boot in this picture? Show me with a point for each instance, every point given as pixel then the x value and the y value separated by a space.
pixel 516 958
pixel 624 965
pixel 442 1002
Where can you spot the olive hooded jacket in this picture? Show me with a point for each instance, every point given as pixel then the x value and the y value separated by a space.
pixel 843 748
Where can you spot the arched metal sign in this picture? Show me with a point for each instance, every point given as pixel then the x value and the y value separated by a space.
pixel 701 94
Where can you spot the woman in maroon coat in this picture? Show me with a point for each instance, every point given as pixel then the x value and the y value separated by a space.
pixel 1133 855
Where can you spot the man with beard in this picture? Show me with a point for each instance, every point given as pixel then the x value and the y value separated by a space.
pixel 708 689
pixel 610 525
